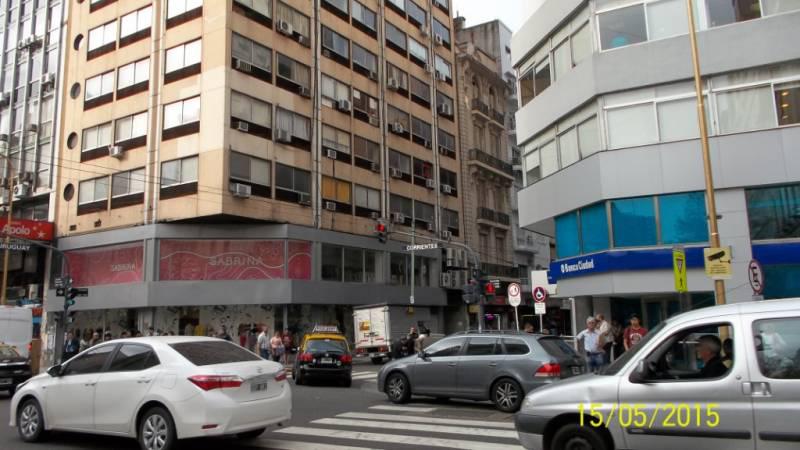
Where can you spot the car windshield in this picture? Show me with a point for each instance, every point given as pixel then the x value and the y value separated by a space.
pixel 8 353
pixel 326 345
pixel 208 353
pixel 620 362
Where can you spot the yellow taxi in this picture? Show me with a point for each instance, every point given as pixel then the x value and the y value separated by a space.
pixel 324 354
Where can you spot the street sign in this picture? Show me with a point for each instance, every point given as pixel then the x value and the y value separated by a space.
pixel 81 292
pixel 540 308
pixel 58 282
pixel 418 247
pixel 718 263
pixel 60 292
pixel 756 275
pixel 14 244
pixel 514 295
pixel 495 283
pixel 411 300
pixel 679 269
pixel 539 294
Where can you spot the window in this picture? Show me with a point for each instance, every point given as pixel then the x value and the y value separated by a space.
pixel 183 56
pixel 395 38
pixel 581 44
pixel 353 265
pixel 541 79
pixel 102 36
pixel 211 353
pixel 298 126
pixel 336 190
pixel 94 190
pixel 779 6
pixel 549 158
pixel 667 18
pixel 421 132
pixel 774 212
pixel 402 205
pixel 420 91
pixel 450 220
pixel 251 110
pixel 176 8
pixel 787 100
pixel 526 87
pixel 444 4
pixel 366 149
pixel 293 71
pixel 262 7
pixel 364 59
pixel 416 15
pixel 131 358
pixel 424 212
pixel 364 16
pixel 777 345
pixel 127 183
pixel 634 222
pixel 340 5
pixel 444 68
pixel 396 115
pixel 398 269
pixel 621 27
pixel 244 49
pixel 99 86
pixel 677 120
pixel 291 179
pixel 692 355
pixel 368 199
pixel 135 22
pixel 400 162
pixel 365 106
pixel 683 218
pixel 331 263
pixel 423 170
pixel 130 127
pixel 444 103
pixel 440 29
pixel 445 348
pixel 182 112
pixel 336 43
pixel 399 4
pixel 392 72
pixel 133 74
pixel 89 362
pixel 250 170
pixel 373 266
pixel 567 236
pixel 418 51
pixel 448 178
pixel 568 147
pixel 96 137
pixel 515 347
pixel 631 125
pixel 335 139
pixel 745 109
pixel 300 22
pixel 724 12
pixel 594 228
pixel 447 141
pixel 179 171
pixel 333 90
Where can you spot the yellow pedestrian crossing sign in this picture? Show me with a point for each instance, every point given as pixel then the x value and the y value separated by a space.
pixel 679 269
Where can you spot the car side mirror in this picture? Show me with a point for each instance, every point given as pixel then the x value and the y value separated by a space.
pixel 641 373
pixel 423 355
pixel 54 371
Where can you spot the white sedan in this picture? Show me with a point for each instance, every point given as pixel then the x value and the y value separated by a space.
pixel 157 390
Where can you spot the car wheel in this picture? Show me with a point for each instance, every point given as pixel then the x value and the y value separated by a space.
pixel 507 395
pixel 298 378
pixel 157 430
pixel 397 388
pixel 576 437
pixel 30 421
pixel 347 382
pixel 251 434
pixel 377 361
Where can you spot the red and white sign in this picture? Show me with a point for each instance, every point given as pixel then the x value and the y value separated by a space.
pixel 119 264
pixel 539 294
pixel 34 230
pixel 756 275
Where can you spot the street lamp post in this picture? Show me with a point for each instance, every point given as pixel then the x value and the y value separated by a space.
pixel 719 285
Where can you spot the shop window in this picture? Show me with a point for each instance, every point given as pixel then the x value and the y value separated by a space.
pixel 774 212
pixel 567 235
pixel 634 222
pixel 683 218
pixel 594 228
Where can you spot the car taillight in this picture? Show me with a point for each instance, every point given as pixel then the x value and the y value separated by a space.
pixel 549 370
pixel 361 350
pixel 383 349
pixel 346 359
pixel 210 382
pixel 280 376
pixel 306 357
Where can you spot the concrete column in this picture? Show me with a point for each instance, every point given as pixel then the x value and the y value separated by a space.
pixel 734 230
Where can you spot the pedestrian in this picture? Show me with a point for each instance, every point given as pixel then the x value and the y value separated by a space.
pixel 412 340
pixel 137 334
pixel 170 333
pixel 276 347
pixel 606 338
pixel 262 342
pixel 287 346
pixel 211 332
pixel 634 333
pixel 124 334
pixel 528 328
pixel 151 332
pixel 72 346
pixel 94 340
pixel 591 345
pixel 87 337
pixel 108 337
pixel 223 334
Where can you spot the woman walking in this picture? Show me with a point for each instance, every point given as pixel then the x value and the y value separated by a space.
pixel 276 347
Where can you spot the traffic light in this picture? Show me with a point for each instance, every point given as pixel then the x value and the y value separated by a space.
pixel 381 231
pixel 489 291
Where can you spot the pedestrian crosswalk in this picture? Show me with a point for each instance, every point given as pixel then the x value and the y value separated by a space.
pixel 365 376
pixel 385 426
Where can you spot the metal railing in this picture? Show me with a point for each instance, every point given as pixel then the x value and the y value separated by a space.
pixel 491 161
pixel 481 107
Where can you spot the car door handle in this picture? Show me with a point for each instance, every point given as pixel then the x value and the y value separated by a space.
pixel 144 380
pixel 90 384
pixel 492 364
pixel 452 364
pixel 757 389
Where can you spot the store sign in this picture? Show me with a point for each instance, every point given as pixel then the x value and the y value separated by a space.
pixel 34 230
pixel 622 260
pixel 118 264
pixel 15 245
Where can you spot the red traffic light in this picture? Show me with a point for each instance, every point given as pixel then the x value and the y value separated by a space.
pixel 381 231
pixel 490 288
pixel 380 228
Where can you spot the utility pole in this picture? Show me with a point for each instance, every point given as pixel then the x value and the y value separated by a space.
pixel 719 285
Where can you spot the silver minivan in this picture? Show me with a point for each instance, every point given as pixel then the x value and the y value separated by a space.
pixel 494 365
pixel 725 377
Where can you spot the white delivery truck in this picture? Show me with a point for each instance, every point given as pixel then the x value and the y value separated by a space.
pixel 16 328
pixel 380 329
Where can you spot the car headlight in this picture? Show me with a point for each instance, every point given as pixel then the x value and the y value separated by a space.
pixel 527 403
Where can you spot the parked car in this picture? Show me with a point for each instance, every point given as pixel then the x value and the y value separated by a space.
pixel 497 366
pixel 14 368
pixel 724 377
pixel 324 354
pixel 157 390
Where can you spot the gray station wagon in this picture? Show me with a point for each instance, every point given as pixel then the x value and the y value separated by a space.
pixel 497 366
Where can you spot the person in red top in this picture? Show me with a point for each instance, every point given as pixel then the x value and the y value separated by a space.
pixel 634 333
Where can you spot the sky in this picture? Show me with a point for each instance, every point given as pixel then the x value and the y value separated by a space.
pixel 513 13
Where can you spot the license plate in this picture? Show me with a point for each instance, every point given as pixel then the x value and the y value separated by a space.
pixel 576 370
pixel 326 360
pixel 258 384
pixel 6 380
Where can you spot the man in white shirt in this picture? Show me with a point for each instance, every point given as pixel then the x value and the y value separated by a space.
pixel 591 345
pixel 262 343
pixel 606 338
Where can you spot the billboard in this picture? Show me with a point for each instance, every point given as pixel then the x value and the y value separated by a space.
pixel 117 264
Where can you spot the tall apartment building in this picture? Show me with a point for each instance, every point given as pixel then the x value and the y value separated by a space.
pixel 30 35
pixel 610 144
pixel 225 161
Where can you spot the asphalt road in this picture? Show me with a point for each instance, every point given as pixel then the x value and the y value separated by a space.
pixel 329 417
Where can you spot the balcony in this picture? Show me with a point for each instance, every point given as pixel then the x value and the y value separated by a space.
pixel 499 117
pixel 491 163
pixel 494 218
pixel 483 108
pixel 499 270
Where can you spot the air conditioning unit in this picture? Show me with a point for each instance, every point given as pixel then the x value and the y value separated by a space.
pixel 374 121
pixel 5 100
pixel 398 217
pixel 438 40
pixel 423 30
pixel 430 183
pixel 21 44
pixel 429 68
pixel 304 92
pixel 285 27
pixel 343 105
pixel 426 144
pixel 3 137
pixel 22 190
pixel 243 66
pixel 397 128
pixel 32 128
pixel 330 206
pixel 326 53
pixel 241 190
pixel 373 75
pixel 243 126
pixel 375 167
pixel 442 150
pixel 304 41
pixel 330 153
pixel 446 280
pixel 440 76
pixel 304 199
pixel 374 215
pixel 447 235
pixel 430 226
pixel 445 109
pixel 393 84
pixel 26 177
pixel 395 173
pixel 447 189
pixel 115 151
pixel 48 78
pixel 284 136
